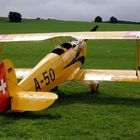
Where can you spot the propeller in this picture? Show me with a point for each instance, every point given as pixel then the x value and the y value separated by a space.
pixel 93 30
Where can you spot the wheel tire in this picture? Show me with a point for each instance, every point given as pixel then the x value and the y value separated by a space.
pixel 94 87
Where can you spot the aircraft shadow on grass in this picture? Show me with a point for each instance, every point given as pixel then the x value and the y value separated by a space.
pixel 96 99
pixel 67 99
pixel 31 116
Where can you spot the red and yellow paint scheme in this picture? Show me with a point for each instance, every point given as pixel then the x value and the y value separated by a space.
pixel 63 64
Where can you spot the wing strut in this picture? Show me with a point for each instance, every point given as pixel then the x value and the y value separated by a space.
pixel 1 51
pixel 138 59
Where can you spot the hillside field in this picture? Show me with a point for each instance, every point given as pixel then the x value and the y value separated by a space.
pixel 113 114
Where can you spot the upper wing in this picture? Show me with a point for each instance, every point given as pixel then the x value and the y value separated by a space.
pixel 77 35
pixel 22 73
pixel 107 75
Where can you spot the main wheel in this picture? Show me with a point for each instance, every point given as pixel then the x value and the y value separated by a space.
pixel 94 87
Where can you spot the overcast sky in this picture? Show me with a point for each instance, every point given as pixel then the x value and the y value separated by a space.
pixel 83 10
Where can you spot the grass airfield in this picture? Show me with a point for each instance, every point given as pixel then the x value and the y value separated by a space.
pixel 113 114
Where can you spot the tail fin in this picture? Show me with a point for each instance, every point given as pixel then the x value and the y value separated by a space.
pixel 8 82
pixel 14 98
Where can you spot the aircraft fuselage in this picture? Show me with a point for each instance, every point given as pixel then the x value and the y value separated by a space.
pixel 56 68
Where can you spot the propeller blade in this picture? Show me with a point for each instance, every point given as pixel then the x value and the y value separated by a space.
pixel 95 28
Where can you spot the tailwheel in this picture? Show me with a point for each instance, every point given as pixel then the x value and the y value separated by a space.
pixel 94 87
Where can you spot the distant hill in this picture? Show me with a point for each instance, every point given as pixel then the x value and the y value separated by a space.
pixel 35 26
pixel 124 22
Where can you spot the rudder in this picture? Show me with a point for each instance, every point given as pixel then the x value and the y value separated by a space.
pixel 8 84
pixel 4 94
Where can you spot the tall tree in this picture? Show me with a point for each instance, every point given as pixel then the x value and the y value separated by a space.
pixel 98 19
pixel 113 20
pixel 15 17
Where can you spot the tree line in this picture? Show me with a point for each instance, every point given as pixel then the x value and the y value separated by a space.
pixel 114 20
pixel 111 20
pixel 17 17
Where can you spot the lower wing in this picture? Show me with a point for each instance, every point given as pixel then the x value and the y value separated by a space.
pixel 22 73
pixel 107 75
pixel 95 75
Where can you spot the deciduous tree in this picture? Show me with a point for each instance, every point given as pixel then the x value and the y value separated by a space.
pixel 15 17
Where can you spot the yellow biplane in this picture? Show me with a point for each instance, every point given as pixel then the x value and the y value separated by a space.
pixel 63 64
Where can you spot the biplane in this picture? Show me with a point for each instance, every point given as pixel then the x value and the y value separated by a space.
pixel 35 91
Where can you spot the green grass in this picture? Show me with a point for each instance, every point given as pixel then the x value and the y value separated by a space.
pixel 77 114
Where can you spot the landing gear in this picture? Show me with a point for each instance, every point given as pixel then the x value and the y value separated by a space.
pixel 94 87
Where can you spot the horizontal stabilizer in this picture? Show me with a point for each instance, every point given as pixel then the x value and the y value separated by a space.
pixel 32 101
